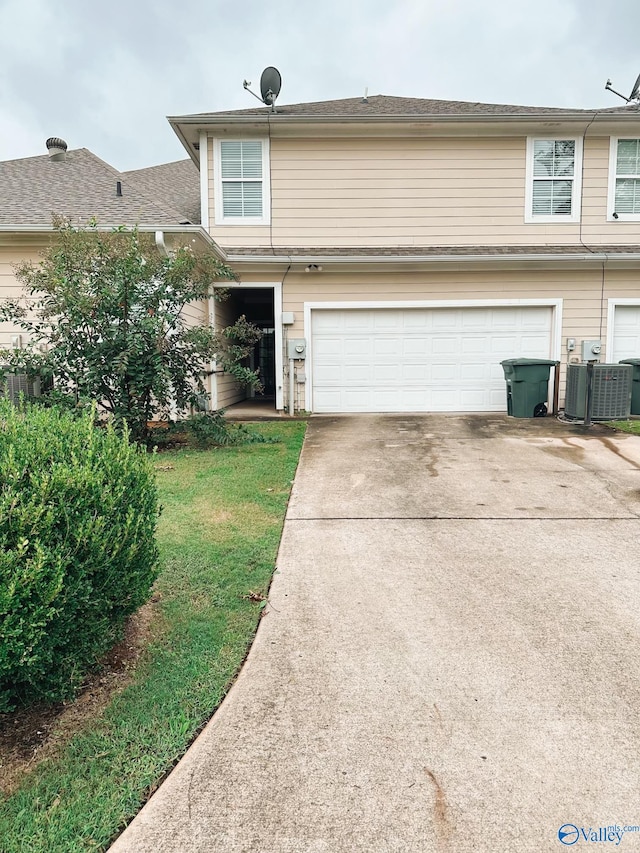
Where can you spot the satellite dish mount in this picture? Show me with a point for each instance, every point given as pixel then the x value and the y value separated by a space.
pixel 635 92
pixel 270 83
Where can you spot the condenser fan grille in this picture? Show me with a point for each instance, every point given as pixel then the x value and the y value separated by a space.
pixel 611 391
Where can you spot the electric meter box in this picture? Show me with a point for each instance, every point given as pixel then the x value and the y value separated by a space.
pixel 297 348
pixel 591 350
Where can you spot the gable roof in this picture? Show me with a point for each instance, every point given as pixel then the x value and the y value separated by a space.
pixel 377 106
pixel 178 183
pixel 82 186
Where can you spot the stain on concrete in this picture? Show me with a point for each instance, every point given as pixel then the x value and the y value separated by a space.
pixel 614 447
pixel 440 810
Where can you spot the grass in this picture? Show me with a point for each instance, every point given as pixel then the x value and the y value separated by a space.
pixel 219 533
pixel 631 426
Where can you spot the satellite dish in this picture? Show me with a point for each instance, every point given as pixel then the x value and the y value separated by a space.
pixel 270 84
pixel 635 92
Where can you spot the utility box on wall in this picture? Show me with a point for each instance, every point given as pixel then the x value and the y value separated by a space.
pixel 591 350
pixel 297 348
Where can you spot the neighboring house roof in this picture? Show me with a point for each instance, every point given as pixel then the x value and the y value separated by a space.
pixel 383 105
pixel 82 186
pixel 177 182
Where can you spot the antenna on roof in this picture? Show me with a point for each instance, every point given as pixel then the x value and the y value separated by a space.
pixel 635 92
pixel 270 83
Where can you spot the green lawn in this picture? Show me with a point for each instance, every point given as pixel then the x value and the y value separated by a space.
pixel 219 533
pixel 632 426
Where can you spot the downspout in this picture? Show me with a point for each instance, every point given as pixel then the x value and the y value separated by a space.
pixel 161 245
pixel 213 383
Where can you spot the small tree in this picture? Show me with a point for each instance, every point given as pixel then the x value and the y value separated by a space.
pixel 104 313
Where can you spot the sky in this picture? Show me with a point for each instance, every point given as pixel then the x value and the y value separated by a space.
pixel 105 76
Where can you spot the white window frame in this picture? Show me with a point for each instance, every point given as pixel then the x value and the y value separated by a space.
pixel 611 198
pixel 556 218
pixel 220 218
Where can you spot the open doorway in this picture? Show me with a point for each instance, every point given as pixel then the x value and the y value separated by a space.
pixel 258 304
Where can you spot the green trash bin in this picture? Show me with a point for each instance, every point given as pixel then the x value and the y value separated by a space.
pixel 635 385
pixel 527 386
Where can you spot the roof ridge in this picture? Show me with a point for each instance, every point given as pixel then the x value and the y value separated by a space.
pixel 395 106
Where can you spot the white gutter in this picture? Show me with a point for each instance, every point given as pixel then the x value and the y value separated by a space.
pixel 196 230
pixel 427 118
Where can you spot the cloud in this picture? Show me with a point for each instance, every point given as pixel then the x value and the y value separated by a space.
pixel 106 76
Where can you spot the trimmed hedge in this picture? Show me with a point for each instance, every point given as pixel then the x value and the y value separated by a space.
pixel 78 510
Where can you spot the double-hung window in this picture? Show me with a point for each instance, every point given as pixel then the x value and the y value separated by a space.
pixel 624 179
pixel 553 179
pixel 241 169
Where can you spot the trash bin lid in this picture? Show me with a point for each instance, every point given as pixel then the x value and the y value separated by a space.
pixel 525 361
pixel 635 361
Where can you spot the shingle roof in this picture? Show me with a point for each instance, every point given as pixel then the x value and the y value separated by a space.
pixel 366 252
pixel 81 187
pixel 178 183
pixel 384 105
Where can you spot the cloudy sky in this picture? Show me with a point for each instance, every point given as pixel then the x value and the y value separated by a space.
pixel 104 76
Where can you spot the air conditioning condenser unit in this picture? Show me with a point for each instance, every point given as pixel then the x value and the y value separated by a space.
pixel 610 393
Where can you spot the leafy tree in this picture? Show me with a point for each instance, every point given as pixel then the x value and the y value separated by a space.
pixel 104 313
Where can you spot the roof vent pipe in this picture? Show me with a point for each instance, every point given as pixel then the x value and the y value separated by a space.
pixel 56 147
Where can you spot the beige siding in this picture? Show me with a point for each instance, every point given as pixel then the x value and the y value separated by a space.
pixel 584 300
pixel 229 391
pixel 416 192
pixel 10 287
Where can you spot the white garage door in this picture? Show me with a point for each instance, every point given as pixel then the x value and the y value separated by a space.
pixel 626 333
pixel 421 359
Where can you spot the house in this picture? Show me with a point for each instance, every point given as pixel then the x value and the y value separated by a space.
pixel 163 200
pixel 394 250
pixel 410 245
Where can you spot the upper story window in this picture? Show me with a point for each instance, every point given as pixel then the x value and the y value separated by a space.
pixel 624 179
pixel 553 179
pixel 241 170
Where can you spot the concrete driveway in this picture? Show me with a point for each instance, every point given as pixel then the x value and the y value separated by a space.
pixel 451 661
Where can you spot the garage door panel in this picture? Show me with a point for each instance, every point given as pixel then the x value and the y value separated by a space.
pixel 415 346
pixel 441 345
pixel 626 333
pixel 435 360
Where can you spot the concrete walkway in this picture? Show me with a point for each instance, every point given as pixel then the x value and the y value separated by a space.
pixel 451 661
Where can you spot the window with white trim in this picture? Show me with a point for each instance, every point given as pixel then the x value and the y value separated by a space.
pixel 553 179
pixel 624 179
pixel 241 168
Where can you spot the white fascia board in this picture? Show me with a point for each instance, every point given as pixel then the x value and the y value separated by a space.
pixel 194 230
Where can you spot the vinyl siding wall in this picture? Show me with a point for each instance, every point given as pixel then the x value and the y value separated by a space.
pixel 584 300
pixel 429 191
pixel 10 287
pixel 229 391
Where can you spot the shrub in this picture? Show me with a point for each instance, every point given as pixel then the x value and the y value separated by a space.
pixel 78 509
pixel 212 429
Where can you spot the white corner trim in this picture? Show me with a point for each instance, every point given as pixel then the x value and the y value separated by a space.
pixel 576 195
pixel 276 286
pixel 213 382
pixel 556 322
pixel 204 180
pixel 220 218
